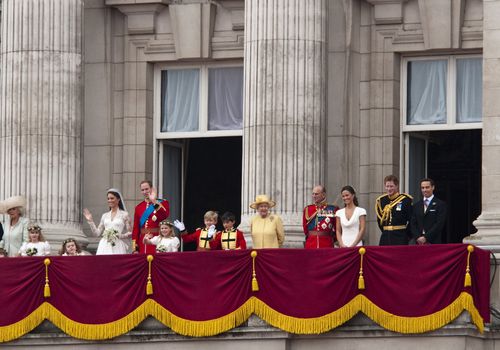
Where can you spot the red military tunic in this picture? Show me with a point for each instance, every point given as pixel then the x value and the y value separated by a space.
pixel 152 224
pixel 229 240
pixel 200 236
pixel 318 222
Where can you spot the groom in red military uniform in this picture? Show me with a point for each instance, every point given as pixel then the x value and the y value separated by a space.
pixel 147 217
pixel 318 221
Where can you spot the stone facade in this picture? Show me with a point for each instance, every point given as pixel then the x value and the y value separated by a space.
pixel 337 124
pixel 322 100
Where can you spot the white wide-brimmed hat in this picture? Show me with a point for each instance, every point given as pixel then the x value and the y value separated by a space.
pixel 12 202
pixel 262 199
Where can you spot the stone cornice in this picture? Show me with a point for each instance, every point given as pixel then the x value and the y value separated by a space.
pixel 388 11
pixel 141 17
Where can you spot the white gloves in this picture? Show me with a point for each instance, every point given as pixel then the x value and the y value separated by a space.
pixel 179 225
pixel 211 231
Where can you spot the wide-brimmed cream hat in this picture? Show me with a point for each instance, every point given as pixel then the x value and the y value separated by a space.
pixel 12 202
pixel 262 199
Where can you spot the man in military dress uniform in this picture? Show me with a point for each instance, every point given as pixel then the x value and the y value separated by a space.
pixel 393 213
pixel 147 217
pixel 318 221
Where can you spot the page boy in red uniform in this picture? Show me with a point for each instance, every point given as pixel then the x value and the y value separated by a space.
pixel 229 238
pixel 202 236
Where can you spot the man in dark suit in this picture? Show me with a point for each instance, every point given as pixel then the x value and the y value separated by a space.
pixel 428 216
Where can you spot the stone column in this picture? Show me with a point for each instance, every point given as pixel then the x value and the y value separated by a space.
pixel 284 107
pixel 40 112
pixel 488 223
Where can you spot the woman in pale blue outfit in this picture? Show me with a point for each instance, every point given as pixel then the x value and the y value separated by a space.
pixel 15 226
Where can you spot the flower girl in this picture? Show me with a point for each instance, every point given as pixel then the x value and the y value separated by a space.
pixel 36 245
pixel 166 241
pixel 70 247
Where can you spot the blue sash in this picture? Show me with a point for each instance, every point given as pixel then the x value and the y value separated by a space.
pixel 147 212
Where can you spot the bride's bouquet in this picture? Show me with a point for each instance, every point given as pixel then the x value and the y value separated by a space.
pixel 111 236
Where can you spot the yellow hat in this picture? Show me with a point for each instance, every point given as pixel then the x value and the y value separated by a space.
pixel 262 199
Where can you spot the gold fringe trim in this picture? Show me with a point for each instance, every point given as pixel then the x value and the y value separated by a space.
pixel 222 324
pixel 385 319
pixel 204 328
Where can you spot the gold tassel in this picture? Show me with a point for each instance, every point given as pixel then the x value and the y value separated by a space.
pixel 255 284
pixel 468 279
pixel 46 289
pixel 149 285
pixel 361 280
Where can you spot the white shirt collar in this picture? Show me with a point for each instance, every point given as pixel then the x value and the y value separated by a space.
pixel 429 199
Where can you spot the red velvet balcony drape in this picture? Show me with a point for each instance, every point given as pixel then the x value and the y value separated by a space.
pixel 406 289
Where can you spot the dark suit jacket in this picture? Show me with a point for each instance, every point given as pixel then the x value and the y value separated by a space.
pixel 432 221
pixel 1 231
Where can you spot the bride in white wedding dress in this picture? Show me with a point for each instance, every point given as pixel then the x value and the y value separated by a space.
pixel 114 227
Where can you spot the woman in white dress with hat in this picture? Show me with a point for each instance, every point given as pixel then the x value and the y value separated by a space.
pixel 351 220
pixel 115 225
pixel 16 226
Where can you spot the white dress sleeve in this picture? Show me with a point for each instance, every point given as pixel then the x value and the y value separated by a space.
pixel 176 244
pixel 46 248
pixel 361 212
pixel 97 231
pixel 127 226
pixel 22 250
pixel 155 240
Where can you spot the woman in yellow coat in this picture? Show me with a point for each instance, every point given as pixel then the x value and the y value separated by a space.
pixel 266 228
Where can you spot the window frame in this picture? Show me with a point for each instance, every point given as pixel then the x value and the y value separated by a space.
pixel 451 94
pixel 203 101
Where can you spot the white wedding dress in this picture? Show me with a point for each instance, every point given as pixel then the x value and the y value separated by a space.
pixel 121 223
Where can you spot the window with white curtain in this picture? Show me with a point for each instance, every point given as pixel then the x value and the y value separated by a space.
pixel 180 100
pixel 225 98
pixel 200 101
pixel 442 93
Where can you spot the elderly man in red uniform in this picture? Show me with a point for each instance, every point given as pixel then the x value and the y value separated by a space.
pixel 147 217
pixel 318 221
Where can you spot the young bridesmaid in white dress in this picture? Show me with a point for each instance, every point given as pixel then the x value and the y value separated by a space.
pixel 114 227
pixel 351 220
pixel 36 244
pixel 166 241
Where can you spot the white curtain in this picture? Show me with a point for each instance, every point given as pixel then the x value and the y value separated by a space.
pixel 469 90
pixel 426 100
pixel 180 100
pixel 225 98
pixel 172 181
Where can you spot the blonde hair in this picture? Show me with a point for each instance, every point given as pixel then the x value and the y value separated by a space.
pixel 211 215
pixel 169 225
pixel 36 228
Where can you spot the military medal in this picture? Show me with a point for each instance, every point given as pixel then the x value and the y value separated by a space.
pixel 154 218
